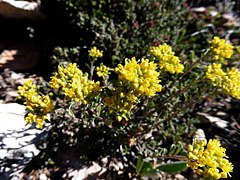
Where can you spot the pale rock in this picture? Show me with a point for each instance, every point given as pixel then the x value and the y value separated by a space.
pixel 43 177
pixel 12 93
pixel 11 143
pixel 16 140
pixel 20 10
pixel 84 172
pixel 199 9
pixel 13 108
pixel 199 134
pixel 26 5
pixel 215 120
pixel 221 113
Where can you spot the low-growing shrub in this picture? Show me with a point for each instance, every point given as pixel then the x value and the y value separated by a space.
pixel 124 29
pixel 121 28
pixel 137 112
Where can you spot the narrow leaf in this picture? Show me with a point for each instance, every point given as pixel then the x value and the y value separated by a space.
pixel 173 167
pixel 139 165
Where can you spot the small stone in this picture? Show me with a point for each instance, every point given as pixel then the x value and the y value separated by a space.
pixel 221 113
pixel 117 165
pixel 215 120
pixel 30 150
pixel 94 168
pixel 25 139
pixel 199 134
pixel 199 9
pixel 12 93
pixel 104 161
pixel 43 177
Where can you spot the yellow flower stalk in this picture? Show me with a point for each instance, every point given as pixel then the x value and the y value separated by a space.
pixel 74 84
pixel 102 70
pixel 215 74
pixel 136 78
pixel 228 81
pixel 121 102
pixel 209 159
pixel 141 76
pixel 38 106
pixel 231 84
pixel 221 49
pixel 95 53
pixel 27 90
pixel 167 60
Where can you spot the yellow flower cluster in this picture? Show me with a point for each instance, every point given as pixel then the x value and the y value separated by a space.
pixel 136 78
pixel 221 49
pixel 215 74
pixel 73 83
pixel 27 90
pixel 232 82
pixel 209 159
pixel 38 106
pixel 102 70
pixel 121 102
pixel 167 60
pixel 141 76
pixel 95 53
pixel 228 81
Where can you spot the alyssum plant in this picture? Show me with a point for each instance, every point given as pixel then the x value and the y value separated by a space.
pixel 141 106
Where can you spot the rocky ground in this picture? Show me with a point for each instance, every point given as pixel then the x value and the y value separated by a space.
pixel 18 145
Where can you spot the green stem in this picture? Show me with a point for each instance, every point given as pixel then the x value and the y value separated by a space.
pixel 92 69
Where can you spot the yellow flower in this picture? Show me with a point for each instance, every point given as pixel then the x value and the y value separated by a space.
pixel 231 84
pixel 209 159
pixel 93 87
pixel 215 74
pixel 37 106
pixel 221 49
pixel 39 119
pixel 141 76
pixel 28 89
pixel 136 78
pixel 102 70
pixel 167 60
pixel 161 50
pixel 95 53
pixel 121 102
pixel 74 84
pixel 228 81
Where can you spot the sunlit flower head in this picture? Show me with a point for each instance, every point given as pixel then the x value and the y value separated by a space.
pixel 28 89
pixel 102 70
pixel 228 80
pixel 221 49
pixel 167 60
pixel 74 84
pixel 38 119
pixel 209 159
pixel 142 76
pixel 215 73
pixel 95 53
pixel 121 102
pixel 37 106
